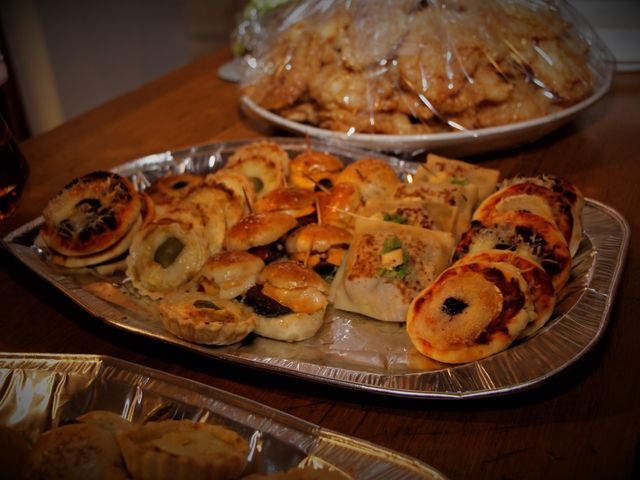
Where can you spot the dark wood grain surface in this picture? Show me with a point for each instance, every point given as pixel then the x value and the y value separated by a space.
pixel 582 423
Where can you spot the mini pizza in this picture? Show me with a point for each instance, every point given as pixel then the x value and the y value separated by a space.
pixel 289 301
pixel 90 214
pixel 210 223
pixel 264 174
pixel 470 312
pixel 534 198
pixel 173 187
pixel 241 186
pixel 569 193
pixel 525 233
pixel 215 197
pixel 203 319
pixel 540 286
pixel 386 266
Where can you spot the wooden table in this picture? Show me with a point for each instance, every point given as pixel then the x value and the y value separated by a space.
pixel 583 423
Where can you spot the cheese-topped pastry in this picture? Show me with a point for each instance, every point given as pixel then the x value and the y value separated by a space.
pixel 264 174
pixel 386 266
pixel 439 169
pixel 240 185
pixel 183 450
pixel 340 205
pixel 200 318
pixel 213 198
pixel 569 193
pixel 540 286
pixel 525 233
pixel 261 150
pixel 471 311
pixel 208 222
pixel 90 214
pixel 534 198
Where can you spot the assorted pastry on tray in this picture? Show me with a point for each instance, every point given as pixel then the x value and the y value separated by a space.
pixel 103 445
pixel 265 243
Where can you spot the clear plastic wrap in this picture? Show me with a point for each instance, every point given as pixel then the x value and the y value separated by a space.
pixel 416 67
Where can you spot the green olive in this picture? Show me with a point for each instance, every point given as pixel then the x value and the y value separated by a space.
pixel 168 251
pixel 205 304
pixel 258 185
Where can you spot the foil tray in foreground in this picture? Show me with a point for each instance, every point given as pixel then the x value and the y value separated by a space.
pixel 41 391
pixel 352 350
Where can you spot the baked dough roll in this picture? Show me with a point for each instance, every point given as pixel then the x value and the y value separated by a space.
pixel 525 233
pixel 439 169
pixel 373 177
pixel 183 450
pixel 213 198
pixel 289 301
pixel 470 312
pixel 534 198
pixel 540 286
pixel 164 256
pixel 201 318
pixel 386 266
pixel 264 174
pixel 461 197
pixel 240 185
pixel 90 214
pixel 208 222
pixel 228 275
pixel 173 187
pixel 313 170
pixel 261 150
pixel 261 234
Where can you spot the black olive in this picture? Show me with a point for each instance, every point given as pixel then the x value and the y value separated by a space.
pixel 179 185
pixel 263 305
pixel 258 185
pixel 89 203
pixel 453 306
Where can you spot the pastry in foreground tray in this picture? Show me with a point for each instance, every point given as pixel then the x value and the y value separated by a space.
pixel 296 201
pixel 204 319
pixel 419 213
pixel 373 177
pixel 386 266
pixel 78 451
pixel 473 310
pixel 289 301
pixel 183 450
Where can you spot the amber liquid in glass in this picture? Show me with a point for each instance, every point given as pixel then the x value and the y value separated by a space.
pixel 13 171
